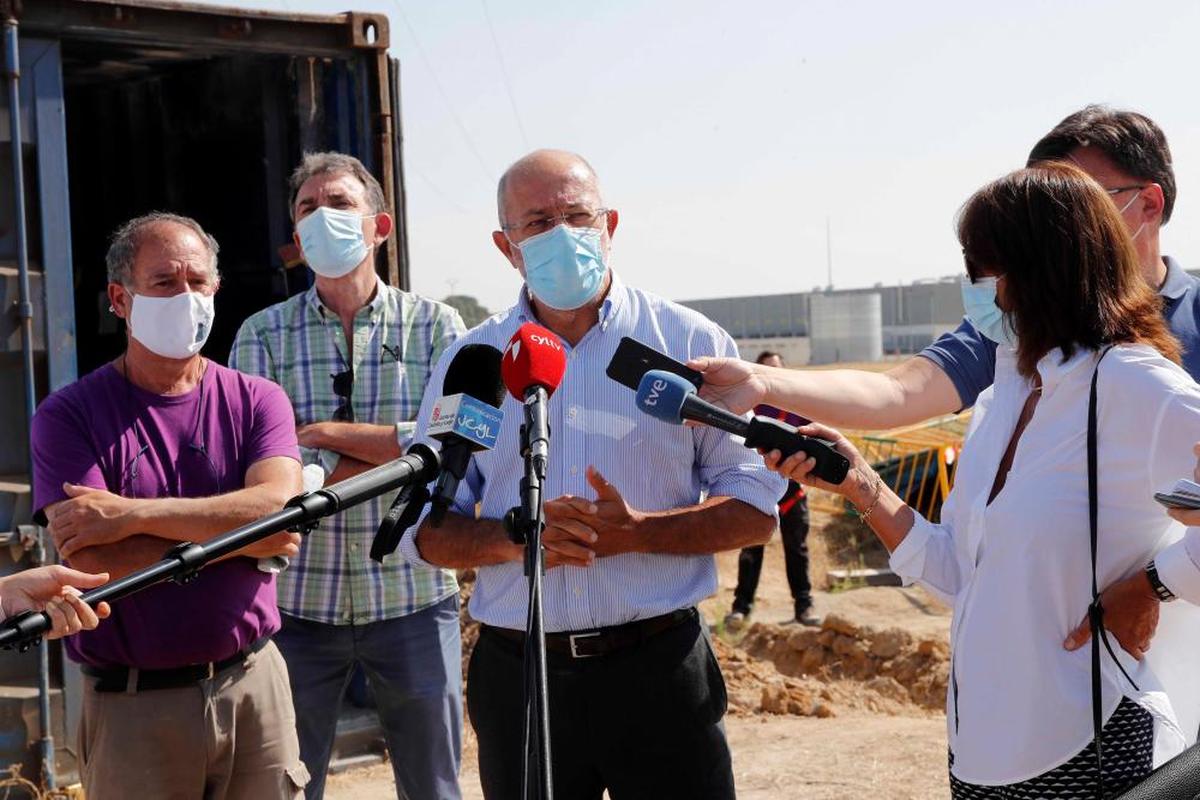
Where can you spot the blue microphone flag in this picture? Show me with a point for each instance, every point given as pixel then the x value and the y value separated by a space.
pixel 661 394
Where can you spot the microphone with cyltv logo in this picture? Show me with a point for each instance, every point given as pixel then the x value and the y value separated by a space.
pixel 534 358
pixel 466 419
pixel 532 367
pixel 671 398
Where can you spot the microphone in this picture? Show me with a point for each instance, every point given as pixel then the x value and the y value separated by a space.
pixel 532 367
pixel 670 398
pixel 181 563
pixel 463 424
pixel 466 419
pixel 533 358
pixel 420 465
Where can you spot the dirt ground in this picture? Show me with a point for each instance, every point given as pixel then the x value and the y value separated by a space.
pixel 861 738
pixel 860 756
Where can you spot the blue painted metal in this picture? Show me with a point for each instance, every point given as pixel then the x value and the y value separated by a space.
pixel 41 64
pixel 12 63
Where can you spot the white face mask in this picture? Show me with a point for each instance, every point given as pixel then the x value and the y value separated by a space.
pixel 172 327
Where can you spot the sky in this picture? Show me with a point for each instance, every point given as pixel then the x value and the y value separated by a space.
pixel 732 136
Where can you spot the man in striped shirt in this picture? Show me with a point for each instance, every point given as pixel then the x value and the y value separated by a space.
pixel 639 507
pixel 355 355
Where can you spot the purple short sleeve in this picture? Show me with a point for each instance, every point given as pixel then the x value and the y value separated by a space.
pixel 62 453
pixel 273 432
pixel 968 358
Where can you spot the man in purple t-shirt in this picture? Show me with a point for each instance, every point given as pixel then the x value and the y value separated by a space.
pixel 184 695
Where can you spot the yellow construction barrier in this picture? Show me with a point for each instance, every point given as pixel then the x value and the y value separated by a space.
pixel 917 462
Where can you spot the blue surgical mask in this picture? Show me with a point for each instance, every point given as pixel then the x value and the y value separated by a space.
pixel 564 267
pixel 332 241
pixel 979 302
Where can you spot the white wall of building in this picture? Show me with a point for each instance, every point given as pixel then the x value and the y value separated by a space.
pixel 846 327
pixel 795 350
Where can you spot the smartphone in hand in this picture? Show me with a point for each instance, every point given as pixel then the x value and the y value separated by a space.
pixel 1185 494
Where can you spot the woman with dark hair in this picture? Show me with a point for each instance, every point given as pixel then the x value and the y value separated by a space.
pixel 1089 415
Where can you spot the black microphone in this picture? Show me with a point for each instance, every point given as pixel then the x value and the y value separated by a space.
pixel 419 465
pixel 466 418
pixel 671 398
pixel 301 513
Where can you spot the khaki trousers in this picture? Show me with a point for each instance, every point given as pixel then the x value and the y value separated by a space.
pixel 232 736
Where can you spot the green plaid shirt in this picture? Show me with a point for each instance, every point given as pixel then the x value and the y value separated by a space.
pixel 300 345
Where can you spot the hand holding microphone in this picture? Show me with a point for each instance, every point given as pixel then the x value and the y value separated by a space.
pixel 731 383
pixel 673 399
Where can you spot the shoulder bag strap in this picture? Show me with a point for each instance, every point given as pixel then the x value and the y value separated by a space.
pixel 1096 610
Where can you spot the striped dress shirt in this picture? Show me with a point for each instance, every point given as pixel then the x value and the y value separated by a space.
pixel 594 421
pixel 398 338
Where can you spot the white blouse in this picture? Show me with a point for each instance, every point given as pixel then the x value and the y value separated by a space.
pixel 1018 571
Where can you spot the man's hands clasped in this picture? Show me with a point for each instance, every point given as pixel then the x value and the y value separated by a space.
pixel 579 530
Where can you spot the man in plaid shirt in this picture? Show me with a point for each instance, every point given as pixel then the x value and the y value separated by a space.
pixel 354 356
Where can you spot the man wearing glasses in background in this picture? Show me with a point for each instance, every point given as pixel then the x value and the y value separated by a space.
pixel 354 355
pixel 183 694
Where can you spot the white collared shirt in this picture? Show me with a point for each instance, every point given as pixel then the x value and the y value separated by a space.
pixel 1018 571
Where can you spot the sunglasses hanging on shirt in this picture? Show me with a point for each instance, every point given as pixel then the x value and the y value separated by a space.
pixel 343 387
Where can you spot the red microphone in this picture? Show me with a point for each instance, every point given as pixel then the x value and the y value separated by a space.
pixel 534 358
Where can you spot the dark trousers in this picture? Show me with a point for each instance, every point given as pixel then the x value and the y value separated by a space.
pixel 793 528
pixel 643 722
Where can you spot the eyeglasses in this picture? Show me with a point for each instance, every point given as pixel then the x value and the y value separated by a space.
pixel 575 219
pixel 131 487
pixel 343 385
pixel 1118 189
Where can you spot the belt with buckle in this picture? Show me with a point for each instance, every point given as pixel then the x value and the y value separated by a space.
pixel 602 641
pixel 116 679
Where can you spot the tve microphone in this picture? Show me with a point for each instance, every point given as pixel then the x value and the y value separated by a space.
pixel 673 399
pixel 466 419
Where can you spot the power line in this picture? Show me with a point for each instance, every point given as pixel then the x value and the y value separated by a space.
pixel 445 96
pixel 512 101
pixel 450 201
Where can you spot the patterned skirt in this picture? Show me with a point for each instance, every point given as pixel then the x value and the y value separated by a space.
pixel 1128 740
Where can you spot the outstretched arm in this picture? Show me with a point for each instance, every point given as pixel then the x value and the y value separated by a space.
pixel 912 391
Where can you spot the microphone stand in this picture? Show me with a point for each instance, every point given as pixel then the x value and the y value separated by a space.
pixel 525 524
pixel 182 562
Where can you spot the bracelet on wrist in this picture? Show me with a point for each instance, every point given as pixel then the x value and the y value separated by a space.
pixel 1160 589
pixel 866 515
